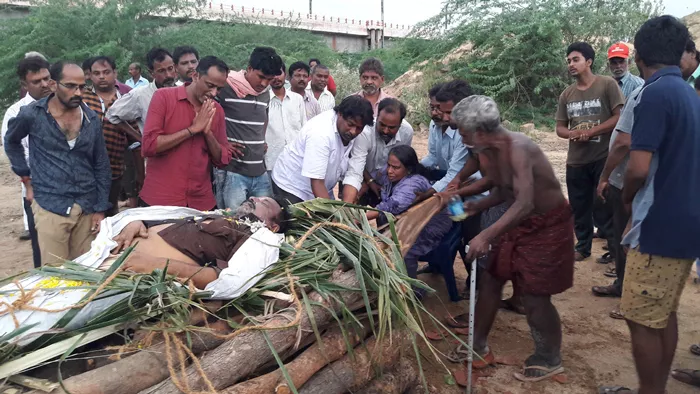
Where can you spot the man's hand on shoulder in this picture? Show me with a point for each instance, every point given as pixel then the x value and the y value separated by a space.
pixel 125 238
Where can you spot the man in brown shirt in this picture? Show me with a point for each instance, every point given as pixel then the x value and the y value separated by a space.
pixel 196 248
pixel 587 113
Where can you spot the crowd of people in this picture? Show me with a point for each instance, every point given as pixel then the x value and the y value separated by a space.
pixel 203 136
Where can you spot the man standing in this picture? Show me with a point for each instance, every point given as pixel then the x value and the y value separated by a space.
pixel 446 152
pixel 531 244
pixel 314 162
pixel 371 152
pixel 690 63
pixel 610 182
pixel 331 82
pixel 287 115
pixel 133 106
pixel 299 77
pixel 245 100
pixel 69 180
pixel 136 80
pixel 372 80
pixel 664 156
pixel 186 59
pixel 587 113
pixel 99 99
pixel 185 134
pixel 318 87
pixel 610 190
pixel 35 79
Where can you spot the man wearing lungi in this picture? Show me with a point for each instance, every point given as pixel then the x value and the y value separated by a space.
pixel 532 244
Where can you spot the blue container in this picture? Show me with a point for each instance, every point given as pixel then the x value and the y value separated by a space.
pixel 456 209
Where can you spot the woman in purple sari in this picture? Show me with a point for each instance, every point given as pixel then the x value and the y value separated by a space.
pixel 400 181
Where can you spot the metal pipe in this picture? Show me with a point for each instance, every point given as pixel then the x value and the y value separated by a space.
pixel 472 308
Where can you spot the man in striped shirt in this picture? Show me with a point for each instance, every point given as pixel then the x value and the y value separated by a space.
pixel 99 99
pixel 245 101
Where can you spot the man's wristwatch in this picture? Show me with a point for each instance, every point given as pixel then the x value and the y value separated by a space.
pixel 370 180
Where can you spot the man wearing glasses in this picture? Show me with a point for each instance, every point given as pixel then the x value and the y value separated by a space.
pixel 70 175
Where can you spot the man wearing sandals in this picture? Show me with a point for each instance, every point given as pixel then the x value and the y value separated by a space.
pixel 532 244
pixel 661 184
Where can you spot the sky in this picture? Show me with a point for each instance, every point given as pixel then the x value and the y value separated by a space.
pixel 399 11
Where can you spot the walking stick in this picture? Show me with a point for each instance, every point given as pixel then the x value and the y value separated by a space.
pixel 472 307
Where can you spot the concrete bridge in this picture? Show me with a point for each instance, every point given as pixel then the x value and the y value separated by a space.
pixel 340 33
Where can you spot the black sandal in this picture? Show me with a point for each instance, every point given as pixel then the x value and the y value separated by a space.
pixel 687 376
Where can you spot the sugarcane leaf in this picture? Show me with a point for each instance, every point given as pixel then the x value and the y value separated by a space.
pixel 63 358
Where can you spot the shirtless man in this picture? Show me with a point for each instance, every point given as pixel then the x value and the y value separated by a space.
pixel 196 248
pixel 531 244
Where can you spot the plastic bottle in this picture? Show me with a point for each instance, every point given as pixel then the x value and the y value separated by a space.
pixel 456 209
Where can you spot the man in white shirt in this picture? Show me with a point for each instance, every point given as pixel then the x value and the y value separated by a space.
pixel 133 106
pixel 33 73
pixel 313 163
pixel 137 80
pixel 371 152
pixel 299 77
pixel 319 87
pixel 286 117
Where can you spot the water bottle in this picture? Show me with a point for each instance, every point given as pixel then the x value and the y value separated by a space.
pixel 456 209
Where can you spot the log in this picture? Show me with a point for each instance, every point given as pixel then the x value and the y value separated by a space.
pixel 245 353
pixel 303 366
pixel 350 373
pixel 401 379
pixel 137 372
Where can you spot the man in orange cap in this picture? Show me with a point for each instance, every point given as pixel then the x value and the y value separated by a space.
pixel 618 61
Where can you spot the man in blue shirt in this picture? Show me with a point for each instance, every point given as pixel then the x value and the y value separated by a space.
pixel 661 184
pixel 446 152
pixel 70 175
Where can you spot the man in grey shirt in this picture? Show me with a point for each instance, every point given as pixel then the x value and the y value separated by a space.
pixel 610 190
pixel 245 101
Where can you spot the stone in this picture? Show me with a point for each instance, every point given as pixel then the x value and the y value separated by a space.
pixel 527 127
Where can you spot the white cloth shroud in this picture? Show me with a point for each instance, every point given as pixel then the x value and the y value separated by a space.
pixel 245 269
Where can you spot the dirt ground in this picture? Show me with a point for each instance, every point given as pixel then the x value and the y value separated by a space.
pixel 596 348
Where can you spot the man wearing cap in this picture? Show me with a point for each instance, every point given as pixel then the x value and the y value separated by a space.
pixel 610 183
pixel 618 61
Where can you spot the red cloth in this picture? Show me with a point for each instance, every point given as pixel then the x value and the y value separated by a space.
pixel 180 176
pixel 538 255
pixel 331 83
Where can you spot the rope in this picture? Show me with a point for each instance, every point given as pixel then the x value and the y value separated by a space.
pixel 22 303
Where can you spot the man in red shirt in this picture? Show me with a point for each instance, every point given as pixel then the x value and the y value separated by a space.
pixel 184 134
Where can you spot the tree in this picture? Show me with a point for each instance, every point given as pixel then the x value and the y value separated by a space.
pixel 74 30
pixel 519 46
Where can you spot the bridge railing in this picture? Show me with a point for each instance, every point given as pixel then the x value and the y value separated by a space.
pixel 339 24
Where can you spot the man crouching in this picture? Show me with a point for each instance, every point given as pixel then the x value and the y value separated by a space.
pixel 532 244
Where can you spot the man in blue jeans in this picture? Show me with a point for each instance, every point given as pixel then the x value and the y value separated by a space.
pixel 245 101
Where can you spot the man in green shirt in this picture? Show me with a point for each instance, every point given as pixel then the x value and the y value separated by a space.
pixel 690 63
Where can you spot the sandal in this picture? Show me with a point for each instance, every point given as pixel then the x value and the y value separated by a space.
pixel 606 291
pixel 695 349
pixel 461 354
pixel 687 376
pixel 442 334
pixel 610 272
pixel 459 321
pixel 617 314
pixel 615 390
pixel 549 372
